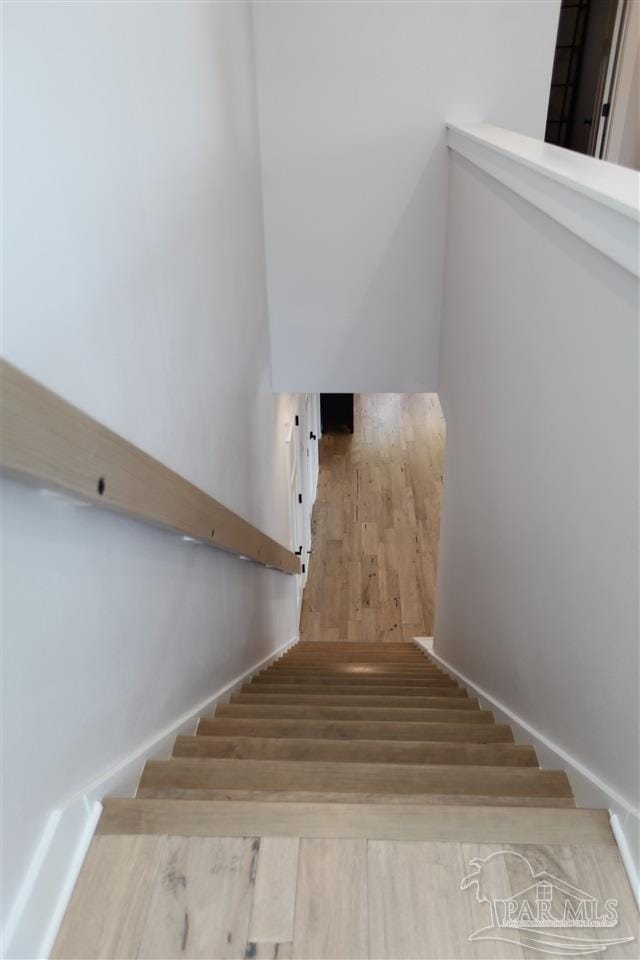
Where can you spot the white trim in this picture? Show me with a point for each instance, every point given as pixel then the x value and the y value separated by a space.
pixel 597 201
pixel 626 854
pixel 55 865
pixel 35 916
pixel 612 75
pixel 589 790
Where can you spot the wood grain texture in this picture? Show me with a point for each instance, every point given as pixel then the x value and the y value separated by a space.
pixel 406 680
pixel 356 751
pixel 319 647
pixel 315 653
pixel 315 646
pixel 391 822
pixel 375 523
pixel 269 951
pixel 194 875
pixel 110 903
pixel 417 909
pixel 386 653
pixel 48 441
pixel 274 897
pixel 356 729
pixel 353 713
pixel 359 778
pixel 355 669
pixel 344 700
pixel 362 689
pixel 193 893
pixel 317 650
pixel 331 902
pixel 438 680
pixel 153 898
pixel 329 797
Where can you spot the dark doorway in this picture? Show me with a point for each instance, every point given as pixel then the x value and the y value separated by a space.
pixel 583 49
pixel 336 412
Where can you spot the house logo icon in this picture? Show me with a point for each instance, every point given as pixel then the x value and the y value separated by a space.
pixel 539 911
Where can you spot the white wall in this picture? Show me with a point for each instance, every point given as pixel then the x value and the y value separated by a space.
pixel 135 288
pixel 538 568
pixel 353 98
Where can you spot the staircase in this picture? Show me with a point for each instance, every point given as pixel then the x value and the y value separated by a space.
pixel 329 723
pixel 328 810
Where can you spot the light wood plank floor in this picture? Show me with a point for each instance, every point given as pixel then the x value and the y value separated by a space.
pixel 279 897
pixel 375 526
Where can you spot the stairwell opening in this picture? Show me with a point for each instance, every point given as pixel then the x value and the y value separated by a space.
pixel 375 523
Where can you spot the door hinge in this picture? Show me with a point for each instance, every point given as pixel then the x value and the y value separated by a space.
pixel 304 568
pixel 299 498
pixel 297 420
pixel 606 109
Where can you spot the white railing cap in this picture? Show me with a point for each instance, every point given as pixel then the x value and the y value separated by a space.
pixel 596 200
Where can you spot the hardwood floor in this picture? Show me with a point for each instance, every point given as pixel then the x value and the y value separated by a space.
pixel 375 525
pixel 300 897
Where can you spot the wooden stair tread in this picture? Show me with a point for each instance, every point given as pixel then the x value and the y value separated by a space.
pixel 475 824
pixel 354 700
pixel 362 664
pixel 368 690
pixel 355 729
pixel 363 649
pixel 449 715
pixel 338 679
pixel 356 644
pixel 331 797
pixel 350 663
pixel 358 670
pixel 360 778
pixel 355 669
pixel 378 656
pixel 354 656
pixel 356 751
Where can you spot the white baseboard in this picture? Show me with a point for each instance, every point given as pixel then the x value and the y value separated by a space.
pixel 588 788
pixel 36 914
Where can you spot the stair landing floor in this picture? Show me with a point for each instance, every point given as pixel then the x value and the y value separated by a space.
pixel 162 896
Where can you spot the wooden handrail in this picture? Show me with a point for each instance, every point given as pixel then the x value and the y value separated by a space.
pixel 47 441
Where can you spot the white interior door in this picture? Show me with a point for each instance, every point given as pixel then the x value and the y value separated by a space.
pixel 302 443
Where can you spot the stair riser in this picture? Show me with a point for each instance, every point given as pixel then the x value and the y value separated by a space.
pixel 338 680
pixel 382 653
pixel 362 751
pixel 449 824
pixel 361 778
pixel 308 796
pixel 297 699
pixel 330 690
pixel 354 644
pixel 358 658
pixel 353 713
pixel 354 669
pixel 356 730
